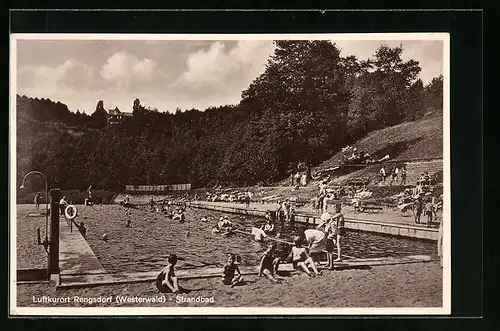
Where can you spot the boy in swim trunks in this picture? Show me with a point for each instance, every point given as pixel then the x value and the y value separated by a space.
pixel 340 230
pixel 231 275
pixel 300 258
pixel 167 282
pixel 269 264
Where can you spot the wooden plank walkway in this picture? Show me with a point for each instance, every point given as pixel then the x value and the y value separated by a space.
pixel 75 255
pixel 100 279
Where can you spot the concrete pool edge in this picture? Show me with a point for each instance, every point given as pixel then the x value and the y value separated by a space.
pixel 401 230
pixel 93 280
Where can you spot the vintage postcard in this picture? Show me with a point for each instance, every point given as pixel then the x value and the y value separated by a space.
pixel 230 174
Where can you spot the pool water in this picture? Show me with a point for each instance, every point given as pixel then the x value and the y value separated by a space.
pixel 144 247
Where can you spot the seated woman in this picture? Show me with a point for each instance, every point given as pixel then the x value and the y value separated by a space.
pixel 300 258
pixel 231 275
pixel 269 264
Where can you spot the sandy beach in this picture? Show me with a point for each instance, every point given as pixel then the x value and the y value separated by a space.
pixel 411 285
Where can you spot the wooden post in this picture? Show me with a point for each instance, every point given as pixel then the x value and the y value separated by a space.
pixel 55 196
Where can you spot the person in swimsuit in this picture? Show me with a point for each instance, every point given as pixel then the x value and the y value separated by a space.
pixel 331 233
pixel 37 200
pixel 269 264
pixel 339 230
pixel 301 259
pixel 167 282
pixel 231 275
pixel 269 226
pixel 315 240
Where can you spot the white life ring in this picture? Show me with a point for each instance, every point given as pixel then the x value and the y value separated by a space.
pixel 71 215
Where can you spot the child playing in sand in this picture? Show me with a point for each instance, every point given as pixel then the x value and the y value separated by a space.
pixel 167 282
pixel 269 264
pixel 300 258
pixel 232 275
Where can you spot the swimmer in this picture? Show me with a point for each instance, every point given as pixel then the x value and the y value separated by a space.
pixel 259 234
pixel 129 224
pixel 105 237
pixel 269 227
pixel 226 224
pixel 231 275
pixel 82 229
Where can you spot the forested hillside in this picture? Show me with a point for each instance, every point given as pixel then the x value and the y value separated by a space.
pixel 306 105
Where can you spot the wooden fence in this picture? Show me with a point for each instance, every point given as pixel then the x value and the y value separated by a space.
pixel 157 188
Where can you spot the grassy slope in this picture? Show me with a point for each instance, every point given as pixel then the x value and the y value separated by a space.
pixel 412 140
pixel 419 140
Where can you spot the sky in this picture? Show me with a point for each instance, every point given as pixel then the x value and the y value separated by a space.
pixel 168 74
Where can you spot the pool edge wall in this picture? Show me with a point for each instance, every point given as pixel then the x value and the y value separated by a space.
pixel 399 230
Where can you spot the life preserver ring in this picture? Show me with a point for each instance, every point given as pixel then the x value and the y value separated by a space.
pixel 70 215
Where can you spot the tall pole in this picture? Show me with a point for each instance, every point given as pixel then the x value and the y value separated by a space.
pixel 46 196
pixel 55 196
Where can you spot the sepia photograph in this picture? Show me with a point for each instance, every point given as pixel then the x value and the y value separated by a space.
pixel 226 174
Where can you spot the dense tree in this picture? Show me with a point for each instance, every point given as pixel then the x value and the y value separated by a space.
pixel 307 104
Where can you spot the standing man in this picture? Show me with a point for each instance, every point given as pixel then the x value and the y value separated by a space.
pixel 62 205
pixel 403 175
pixel 248 197
pixel 37 200
pixel 278 213
pixel 395 172
pixel 89 192
pixel 297 179
pixel 382 175
pixel 338 228
pixel 418 209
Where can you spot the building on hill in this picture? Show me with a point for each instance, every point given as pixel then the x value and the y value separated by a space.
pixel 115 116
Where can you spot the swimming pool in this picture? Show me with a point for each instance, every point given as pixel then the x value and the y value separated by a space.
pixel 144 247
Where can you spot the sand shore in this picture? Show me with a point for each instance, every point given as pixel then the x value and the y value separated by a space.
pixel 410 285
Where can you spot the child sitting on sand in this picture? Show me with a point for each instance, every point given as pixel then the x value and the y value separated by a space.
pixel 167 282
pixel 301 258
pixel 232 275
pixel 269 264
